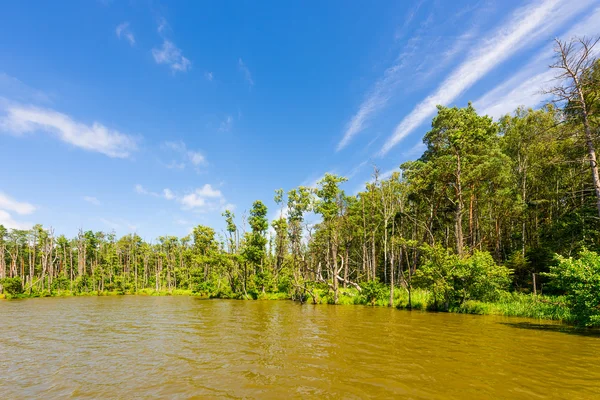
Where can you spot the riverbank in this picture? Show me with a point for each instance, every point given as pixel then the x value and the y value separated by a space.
pixel 508 304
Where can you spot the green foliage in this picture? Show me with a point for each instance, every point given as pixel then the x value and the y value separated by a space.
pixel 519 305
pixel 61 282
pixel 453 280
pixel 373 291
pixel 486 198
pixel 480 278
pixel 12 286
pixel 285 280
pixel 580 280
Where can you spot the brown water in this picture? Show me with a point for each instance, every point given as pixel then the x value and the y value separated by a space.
pixel 180 347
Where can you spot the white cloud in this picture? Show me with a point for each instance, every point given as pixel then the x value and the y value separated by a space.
pixel 95 137
pixel 228 206
pixel 226 124
pixel 423 55
pixel 204 198
pixel 525 88
pixel 168 194
pixel 123 30
pixel 525 26
pixel 193 156
pixel 19 207
pixel 171 55
pixel 375 101
pixel 196 157
pixel 92 200
pixel 8 222
pixel 246 72
pixel 208 191
pixel 162 25
pixel 506 97
pixel 140 189
pixel 192 200
pixel 8 203
pixel 209 76
pixel 199 197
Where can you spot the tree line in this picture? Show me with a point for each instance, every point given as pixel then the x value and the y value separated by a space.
pixel 486 208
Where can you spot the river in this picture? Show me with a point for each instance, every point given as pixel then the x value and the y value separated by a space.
pixel 181 347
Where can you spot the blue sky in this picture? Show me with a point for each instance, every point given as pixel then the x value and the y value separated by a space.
pixel 155 116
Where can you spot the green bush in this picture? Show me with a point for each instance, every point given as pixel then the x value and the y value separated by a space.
pixel 373 291
pixel 452 280
pixel 61 283
pixel 580 281
pixel 12 286
pixel 284 281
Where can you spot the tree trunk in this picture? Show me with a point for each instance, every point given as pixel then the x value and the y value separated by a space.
pixel 589 141
pixel 459 208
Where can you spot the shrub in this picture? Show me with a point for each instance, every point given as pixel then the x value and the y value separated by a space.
pixel 12 286
pixel 373 291
pixel 580 280
pixel 453 280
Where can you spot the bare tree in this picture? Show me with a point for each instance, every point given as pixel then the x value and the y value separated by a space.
pixel 575 60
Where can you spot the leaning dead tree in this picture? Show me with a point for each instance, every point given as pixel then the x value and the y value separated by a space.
pixel 577 88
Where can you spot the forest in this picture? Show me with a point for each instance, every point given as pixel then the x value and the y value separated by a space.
pixel 497 217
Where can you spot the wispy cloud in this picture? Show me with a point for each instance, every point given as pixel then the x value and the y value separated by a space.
pixel 13 88
pixel 7 203
pixel 202 199
pixel 163 25
pixel 168 194
pixel 195 157
pixel 410 16
pixel 140 189
pixel 375 100
pixel 228 206
pixel 387 174
pixel 525 26
pixel 209 76
pixel 423 55
pixel 123 31
pixel 92 200
pixel 246 72
pixel 171 55
pixel 95 137
pixel 10 204
pixel 8 222
pixel 356 169
pixel 226 124
pixel 525 88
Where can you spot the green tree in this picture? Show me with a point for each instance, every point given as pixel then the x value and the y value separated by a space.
pixel 580 280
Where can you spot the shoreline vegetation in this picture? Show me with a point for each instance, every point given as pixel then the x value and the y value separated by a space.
pixel 510 305
pixel 492 215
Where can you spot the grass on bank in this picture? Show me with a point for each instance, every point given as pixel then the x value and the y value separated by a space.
pixel 509 304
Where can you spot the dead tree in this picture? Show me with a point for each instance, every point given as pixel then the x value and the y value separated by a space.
pixel 575 59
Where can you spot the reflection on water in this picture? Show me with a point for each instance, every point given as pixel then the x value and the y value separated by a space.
pixel 180 347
